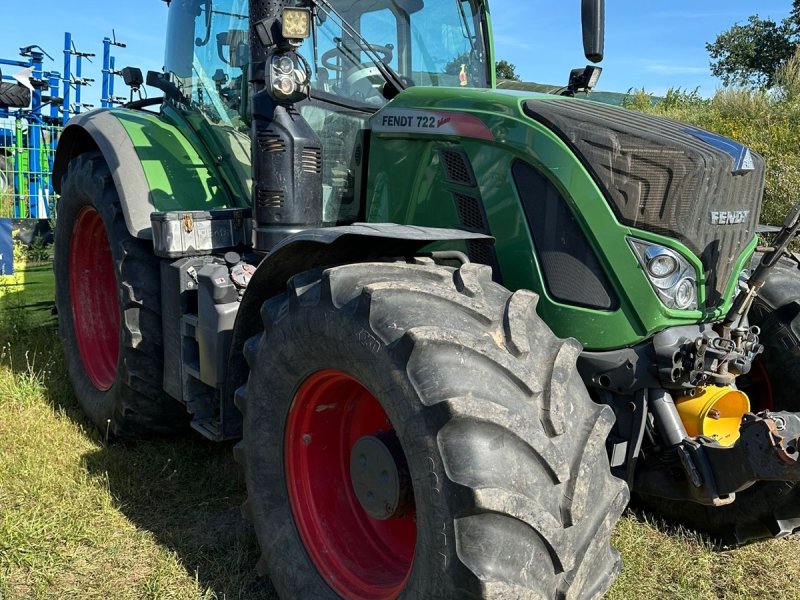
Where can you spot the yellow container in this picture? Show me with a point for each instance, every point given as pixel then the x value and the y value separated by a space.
pixel 714 412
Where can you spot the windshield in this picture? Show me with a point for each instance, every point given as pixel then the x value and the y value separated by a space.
pixel 431 42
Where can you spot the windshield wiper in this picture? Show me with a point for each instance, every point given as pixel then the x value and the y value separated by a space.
pixel 389 74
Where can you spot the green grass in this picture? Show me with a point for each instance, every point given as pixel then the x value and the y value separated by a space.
pixel 80 518
pixel 26 299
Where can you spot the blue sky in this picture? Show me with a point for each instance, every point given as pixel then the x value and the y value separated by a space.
pixel 655 44
pixel 652 44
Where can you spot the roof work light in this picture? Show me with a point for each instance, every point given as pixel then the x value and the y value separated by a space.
pixel 296 23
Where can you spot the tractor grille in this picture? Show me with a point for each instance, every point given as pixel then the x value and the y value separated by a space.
pixel 666 177
pixel 470 213
pixel 570 268
pixel 469 208
pixel 457 167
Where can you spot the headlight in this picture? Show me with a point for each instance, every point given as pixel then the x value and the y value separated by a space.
pixel 287 76
pixel 673 278
pixel 684 294
pixel 284 86
pixel 661 265
pixel 284 64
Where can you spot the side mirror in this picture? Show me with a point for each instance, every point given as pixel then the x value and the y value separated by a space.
pixel 593 17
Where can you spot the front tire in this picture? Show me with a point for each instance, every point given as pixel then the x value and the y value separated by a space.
pixel 109 308
pixel 508 490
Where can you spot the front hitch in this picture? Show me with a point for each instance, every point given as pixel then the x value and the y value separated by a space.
pixel 706 472
pixel 767 450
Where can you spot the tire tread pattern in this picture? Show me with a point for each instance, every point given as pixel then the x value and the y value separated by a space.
pixel 139 405
pixel 454 329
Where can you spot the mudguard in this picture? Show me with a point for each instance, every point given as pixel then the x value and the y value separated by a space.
pixel 311 249
pixel 154 163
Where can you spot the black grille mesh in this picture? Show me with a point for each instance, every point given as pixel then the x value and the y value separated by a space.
pixel 472 217
pixel 470 213
pixel 660 178
pixel 571 270
pixel 457 167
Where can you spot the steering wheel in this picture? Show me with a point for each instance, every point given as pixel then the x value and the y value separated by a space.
pixel 346 55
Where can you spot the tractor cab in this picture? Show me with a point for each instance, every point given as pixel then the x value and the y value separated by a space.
pixel 425 43
pixel 428 43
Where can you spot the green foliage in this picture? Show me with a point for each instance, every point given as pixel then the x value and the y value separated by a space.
pixel 767 122
pixel 506 70
pixel 19 252
pixel 751 54
pixel 38 252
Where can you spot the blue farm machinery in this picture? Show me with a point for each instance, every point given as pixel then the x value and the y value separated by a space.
pixel 35 104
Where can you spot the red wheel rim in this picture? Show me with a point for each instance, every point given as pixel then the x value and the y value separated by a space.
pixel 93 295
pixel 360 557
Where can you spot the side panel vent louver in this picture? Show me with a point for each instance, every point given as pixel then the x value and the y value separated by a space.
pixel 312 160
pixel 270 143
pixel 470 213
pixel 270 198
pixel 472 217
pixel 457 167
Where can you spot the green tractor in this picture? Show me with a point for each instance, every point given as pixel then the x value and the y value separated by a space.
pixel 454 327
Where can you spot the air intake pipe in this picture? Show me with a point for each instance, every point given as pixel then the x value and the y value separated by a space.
pixel 286 152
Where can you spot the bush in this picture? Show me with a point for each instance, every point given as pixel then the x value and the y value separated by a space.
pixel 766 121
pixel 38 251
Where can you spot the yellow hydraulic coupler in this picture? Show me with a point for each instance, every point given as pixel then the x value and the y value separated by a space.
pixel 714 412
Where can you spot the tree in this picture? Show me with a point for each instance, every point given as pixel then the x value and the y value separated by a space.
pixel 506 70
pixel 750 54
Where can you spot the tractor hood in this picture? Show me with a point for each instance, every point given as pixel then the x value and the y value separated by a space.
pixel 564 186
pixel 666 177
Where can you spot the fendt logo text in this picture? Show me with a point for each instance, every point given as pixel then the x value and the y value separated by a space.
pixel 729 217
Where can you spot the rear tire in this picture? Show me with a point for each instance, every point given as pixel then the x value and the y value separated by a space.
pixel 109 308
pixel 766 509
pixel 512 493
pixel 14 95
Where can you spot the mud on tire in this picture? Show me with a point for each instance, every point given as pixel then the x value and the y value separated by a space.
pixel 125 399
pixel 506 451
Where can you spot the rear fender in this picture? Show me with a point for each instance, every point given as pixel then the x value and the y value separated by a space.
pixel 101 130
pixel 156 160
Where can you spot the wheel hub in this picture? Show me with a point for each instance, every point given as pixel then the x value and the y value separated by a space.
pixel 379 475
pixel 363 547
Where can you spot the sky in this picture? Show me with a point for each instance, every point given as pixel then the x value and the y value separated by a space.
pixel 655 44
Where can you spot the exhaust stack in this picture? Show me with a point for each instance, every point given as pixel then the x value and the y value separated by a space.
pixel 286 152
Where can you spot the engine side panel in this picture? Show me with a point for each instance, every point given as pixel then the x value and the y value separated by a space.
pixel 409 181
